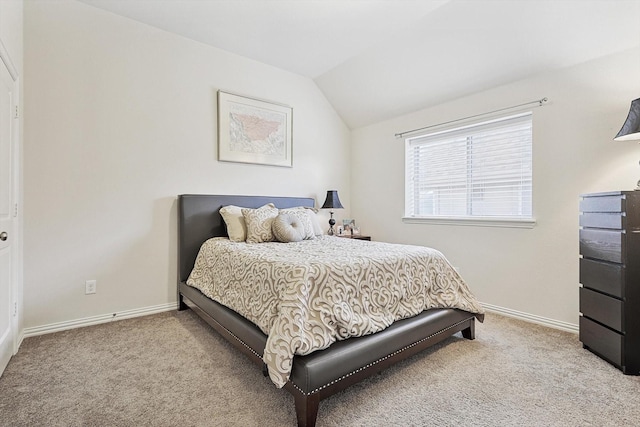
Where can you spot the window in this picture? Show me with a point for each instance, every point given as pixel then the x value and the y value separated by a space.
pixel 480 172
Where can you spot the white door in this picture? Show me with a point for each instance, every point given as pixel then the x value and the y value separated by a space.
pixel 7 213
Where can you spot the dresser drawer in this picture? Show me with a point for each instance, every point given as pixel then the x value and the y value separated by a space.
pixel 602 308
pixel 602 341
pixel 603 220
pixel 602 244
pixel 614 203
pixel 602 276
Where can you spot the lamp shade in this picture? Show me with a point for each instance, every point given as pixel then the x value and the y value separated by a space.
pixel 332 201
pixel 631 128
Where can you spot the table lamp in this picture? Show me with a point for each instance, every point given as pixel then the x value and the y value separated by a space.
pixel 631 128
pixel 332 202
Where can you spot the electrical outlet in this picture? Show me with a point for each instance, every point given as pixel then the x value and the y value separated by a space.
pixel 90 287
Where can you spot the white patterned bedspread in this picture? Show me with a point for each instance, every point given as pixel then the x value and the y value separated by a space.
pixel 307 295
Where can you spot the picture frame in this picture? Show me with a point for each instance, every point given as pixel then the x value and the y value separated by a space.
pixel 254 131
pixel 348 225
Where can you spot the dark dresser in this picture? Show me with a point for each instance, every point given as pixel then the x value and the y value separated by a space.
pixel 610 277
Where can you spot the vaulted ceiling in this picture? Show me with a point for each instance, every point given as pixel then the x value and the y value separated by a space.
pixel 377 59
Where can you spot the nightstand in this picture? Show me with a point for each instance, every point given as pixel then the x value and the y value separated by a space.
pixel 354 236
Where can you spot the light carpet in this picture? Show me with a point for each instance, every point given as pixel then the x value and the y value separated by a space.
pixel 172 369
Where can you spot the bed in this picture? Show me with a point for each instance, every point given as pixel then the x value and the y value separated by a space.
pixel 321 373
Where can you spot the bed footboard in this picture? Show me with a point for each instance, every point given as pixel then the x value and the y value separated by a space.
pixel 307 390
pixel 323 373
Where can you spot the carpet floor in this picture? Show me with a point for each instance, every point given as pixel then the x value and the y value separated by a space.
pixel 172 369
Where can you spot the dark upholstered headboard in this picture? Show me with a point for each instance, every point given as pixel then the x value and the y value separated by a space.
pixel 199 219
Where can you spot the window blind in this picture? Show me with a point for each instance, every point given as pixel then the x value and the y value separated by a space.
pixel 475 171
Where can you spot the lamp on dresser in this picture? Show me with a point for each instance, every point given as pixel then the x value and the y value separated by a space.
pixel 631 128
pixel 332 202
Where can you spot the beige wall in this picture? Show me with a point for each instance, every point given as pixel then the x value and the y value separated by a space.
pixel 532 271
pixel 120 118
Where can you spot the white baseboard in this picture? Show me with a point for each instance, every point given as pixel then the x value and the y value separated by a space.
pixel 145 311
pixel 544 321
pixel 96 320
pixel 19 342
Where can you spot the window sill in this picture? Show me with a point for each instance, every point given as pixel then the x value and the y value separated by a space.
pixel 476 222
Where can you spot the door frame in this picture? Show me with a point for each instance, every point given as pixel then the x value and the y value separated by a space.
pixel 16 290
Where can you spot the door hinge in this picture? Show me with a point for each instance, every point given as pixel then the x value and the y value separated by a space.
pixel 15 210
pixel 15 308
pixel 17 115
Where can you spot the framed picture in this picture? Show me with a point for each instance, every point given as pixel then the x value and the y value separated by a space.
pixel 348 224
pixel 254 131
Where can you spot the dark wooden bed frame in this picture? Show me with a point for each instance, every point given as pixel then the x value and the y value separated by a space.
pixel 324 372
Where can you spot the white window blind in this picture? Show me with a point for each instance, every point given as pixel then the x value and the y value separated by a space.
pixel 477 171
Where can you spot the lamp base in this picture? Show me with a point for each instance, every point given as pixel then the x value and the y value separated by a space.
pixel 332 222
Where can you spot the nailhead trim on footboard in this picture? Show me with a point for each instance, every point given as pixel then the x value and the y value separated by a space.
pixel 345 376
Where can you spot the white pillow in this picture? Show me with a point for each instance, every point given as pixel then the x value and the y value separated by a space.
pixel 236 228
pixel 303 215
pixel 315 221
pixel 259 222
pixel 288 228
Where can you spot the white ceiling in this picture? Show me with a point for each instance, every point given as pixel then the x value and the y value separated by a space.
pixel 376 59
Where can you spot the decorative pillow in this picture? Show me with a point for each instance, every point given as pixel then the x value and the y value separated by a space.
pixel 236 228
pixel 258 222
pixel 315 221
pixel 288 228
pixel 305 221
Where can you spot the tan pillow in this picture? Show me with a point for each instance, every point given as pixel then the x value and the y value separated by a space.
pixel 303 216
pixel 259 222
pixel 236 228
pixel 288 228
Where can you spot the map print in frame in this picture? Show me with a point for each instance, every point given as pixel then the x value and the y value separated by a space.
pixel 254 131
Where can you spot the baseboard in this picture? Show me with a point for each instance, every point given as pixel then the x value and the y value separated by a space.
pixel 19 341
pixel 96 320
pixel 556 324
pixel 145 311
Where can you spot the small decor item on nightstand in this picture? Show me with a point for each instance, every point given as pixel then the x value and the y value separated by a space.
pixel 332 202
pixel 349 226
pixel 631 128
